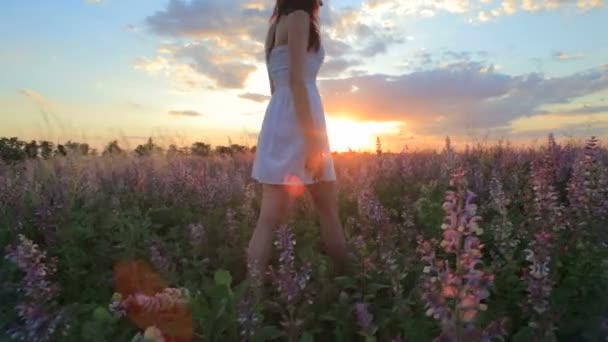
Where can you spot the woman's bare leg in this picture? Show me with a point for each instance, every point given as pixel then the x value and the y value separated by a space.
pixel 275 206
pixel 325 198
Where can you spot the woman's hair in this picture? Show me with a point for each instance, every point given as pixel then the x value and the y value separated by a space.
pixel 284 7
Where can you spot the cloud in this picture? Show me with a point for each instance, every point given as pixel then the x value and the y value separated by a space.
pixel 221 40
pixel 364 27
pixel 581 110
pixel 95 2
pixel 190 113
pixel 37 98
pixel 207 19
pixel 456 55
pixel 416 7
pixel 489 100
pixel 254 97
pixel 152 66
pixel 219 44
pixel 509 7
pixel 563 56
pixel 589 124
pixel 226 72
pixel 585 5
pixel 184 76
pixel 337 66
pixel 132 28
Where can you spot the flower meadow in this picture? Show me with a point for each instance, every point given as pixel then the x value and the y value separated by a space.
pixel 491 243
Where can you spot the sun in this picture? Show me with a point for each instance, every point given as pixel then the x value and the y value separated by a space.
pixel 347 134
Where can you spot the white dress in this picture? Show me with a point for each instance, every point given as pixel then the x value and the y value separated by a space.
pixel 280 148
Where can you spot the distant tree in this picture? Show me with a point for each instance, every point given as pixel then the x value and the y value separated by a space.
pixel 46 149
pixel 200 149
pixel 31 149
pixel 172 150
pixel 12 149
pixel 378 146
pixel 223 150
pixel 148 148
pixel 113 149
pixel 236 148
pixel 61 150
pixel 77 148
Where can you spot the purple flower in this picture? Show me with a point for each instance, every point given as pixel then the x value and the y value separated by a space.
pixel 454 289
pixel 504 233
pixel 248 318
pixel 247 209
pixel 538 282
pixel 159 259
pixel 548 212
pixel 197 234
pixel 38 312
pixel 290 283
pixel 364 317
pixel 588 186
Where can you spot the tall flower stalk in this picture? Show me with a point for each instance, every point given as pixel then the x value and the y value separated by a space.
pixel 289 282
pixel 539 284
pixel 249 311
pixel 40 318
pixel 455 288
pixel 588 188
pixel 365 321
pixel 377 228
pixel 505 239
pixel 547 222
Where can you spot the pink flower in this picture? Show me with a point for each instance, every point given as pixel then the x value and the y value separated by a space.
pixel 449 291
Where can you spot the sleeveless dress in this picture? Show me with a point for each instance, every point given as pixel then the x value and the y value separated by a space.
pixel 279 155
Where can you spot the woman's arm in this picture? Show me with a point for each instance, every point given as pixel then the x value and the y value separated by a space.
pixel 271 85
pixel 267 46
pixel 298 25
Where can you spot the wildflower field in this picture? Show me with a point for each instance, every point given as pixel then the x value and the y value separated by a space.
pixel 486 244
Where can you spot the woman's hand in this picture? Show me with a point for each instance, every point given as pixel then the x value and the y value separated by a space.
pixel 314 157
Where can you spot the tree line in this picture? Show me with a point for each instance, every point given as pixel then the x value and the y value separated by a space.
pixel 14 150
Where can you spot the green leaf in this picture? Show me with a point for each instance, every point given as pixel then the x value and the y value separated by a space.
pixel 524 334
pixel 346 282
pixel 240 290
pixel 222 308
pixel 374 287
pixel 307 337
pixel 101 314
pixel 550 338
pixel 269 332
pixel 223 277
pixel 327 317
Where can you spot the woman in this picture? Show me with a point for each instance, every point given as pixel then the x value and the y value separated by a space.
pixel 292 147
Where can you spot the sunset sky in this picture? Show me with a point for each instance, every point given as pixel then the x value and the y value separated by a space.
pixel 408 71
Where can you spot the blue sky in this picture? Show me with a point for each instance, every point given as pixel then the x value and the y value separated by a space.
pixel 408 71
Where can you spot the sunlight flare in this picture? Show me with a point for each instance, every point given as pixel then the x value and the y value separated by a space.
pixel 347 134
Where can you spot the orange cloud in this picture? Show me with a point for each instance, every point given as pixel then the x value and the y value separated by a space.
pixel 190 113
pixel 435 101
